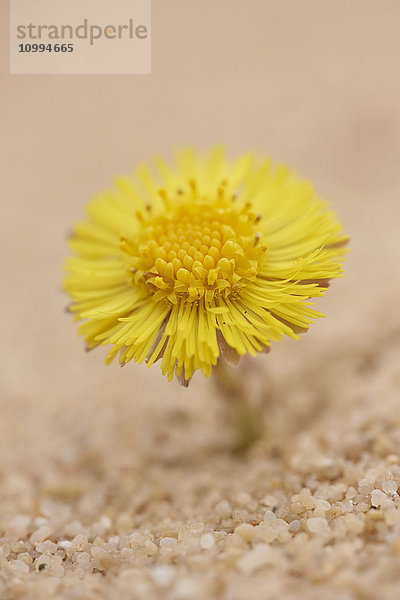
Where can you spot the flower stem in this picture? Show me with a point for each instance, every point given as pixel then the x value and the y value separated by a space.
pixel 231 385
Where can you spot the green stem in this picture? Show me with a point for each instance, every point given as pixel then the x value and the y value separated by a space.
pixel 231 384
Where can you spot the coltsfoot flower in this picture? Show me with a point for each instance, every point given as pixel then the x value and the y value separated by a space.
pixel 201 259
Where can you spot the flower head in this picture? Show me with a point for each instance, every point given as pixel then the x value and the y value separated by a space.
pixel 201 259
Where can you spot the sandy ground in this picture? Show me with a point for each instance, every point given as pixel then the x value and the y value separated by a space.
pixel 116 484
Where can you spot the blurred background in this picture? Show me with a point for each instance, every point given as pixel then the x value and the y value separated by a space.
pixel 313 84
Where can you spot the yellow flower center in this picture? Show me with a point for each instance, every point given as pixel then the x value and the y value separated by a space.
pixel 200 250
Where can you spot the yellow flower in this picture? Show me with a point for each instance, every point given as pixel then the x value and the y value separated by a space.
pixel 204 258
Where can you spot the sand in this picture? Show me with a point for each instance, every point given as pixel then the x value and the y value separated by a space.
pixel 111 498
pixel 115 483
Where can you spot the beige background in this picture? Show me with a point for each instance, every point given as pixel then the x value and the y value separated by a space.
pixel 312 83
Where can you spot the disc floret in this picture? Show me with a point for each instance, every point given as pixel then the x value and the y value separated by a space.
pixel 200 250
